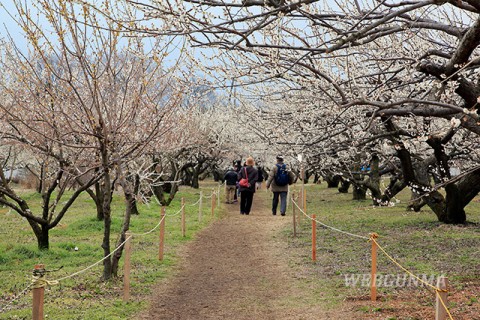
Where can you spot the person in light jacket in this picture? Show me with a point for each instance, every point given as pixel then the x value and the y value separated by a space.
pixel 279 191
pixel 246 193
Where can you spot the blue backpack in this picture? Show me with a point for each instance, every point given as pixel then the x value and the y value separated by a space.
pixel 281 178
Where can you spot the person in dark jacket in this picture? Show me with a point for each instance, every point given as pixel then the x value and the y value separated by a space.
pixel 237 165
pixel 230 184
pixel 260 178
pixel 246 193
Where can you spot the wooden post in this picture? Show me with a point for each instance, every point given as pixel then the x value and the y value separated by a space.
pixel 294 216
pixel 440 311
pixel 218 198
pixel 305 201
pixel 126 267
pixel 314 238
pixel 183 218
pixel 200 205
pixel 38 294
pixel 162 235
pixel 213 202
pixel 373 276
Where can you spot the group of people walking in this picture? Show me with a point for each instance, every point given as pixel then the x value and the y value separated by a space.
pixel 247 179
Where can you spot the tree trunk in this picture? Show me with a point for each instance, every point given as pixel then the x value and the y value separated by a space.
pixel 129 199
pixel 345 184
pixel 41 233
pixel 40 230
pixel 187 177
pixel 416 202
pixel 133 201
pixel 97 197
pixel 100 200
pixel 107 263
pixel 107 222
pixel 436 202
pixel 359 192
pixel 459 194
pixel 216 176
pixel 44 241
pixel 133 206
pixel 373 182
pixel 395 186
pixel 359 189
pixel 306 176
pixel 195 176
pixel 332 180
pixel 455 203
pixel 158 192
pixel 41 179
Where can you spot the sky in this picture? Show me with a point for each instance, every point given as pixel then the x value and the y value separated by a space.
pixel 8 25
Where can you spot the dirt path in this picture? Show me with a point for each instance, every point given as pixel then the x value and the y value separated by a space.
pixel 235 270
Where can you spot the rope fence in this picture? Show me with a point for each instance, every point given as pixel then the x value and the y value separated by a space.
pixel 39 281
pixel 440 290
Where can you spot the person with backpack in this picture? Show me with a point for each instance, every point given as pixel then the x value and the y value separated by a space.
pixel 278 179
pixel 247 177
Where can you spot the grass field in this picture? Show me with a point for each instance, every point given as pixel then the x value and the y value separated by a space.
pixel 415 239
pixel 85 296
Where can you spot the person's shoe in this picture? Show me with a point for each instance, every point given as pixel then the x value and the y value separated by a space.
pixel 242 212
pixel 274 213
pixel 247 213
pixel 282 214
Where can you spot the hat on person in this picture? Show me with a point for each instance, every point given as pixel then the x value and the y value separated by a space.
pixel 250 161
pixel 280 157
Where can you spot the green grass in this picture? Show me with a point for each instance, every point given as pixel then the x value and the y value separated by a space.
pixel 415 239
pixel 85 296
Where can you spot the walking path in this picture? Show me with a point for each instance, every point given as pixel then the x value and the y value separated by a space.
pixel 234 269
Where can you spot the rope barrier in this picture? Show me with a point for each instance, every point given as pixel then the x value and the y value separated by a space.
pixel 116 249
pixel 176 213
pixel 372 237
pixel 39 280
pixel 96 263
pixel 403 268
pixel 148 232
pixel 327 226
pixel 437 289
pixel 194 204
pixel 18 296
